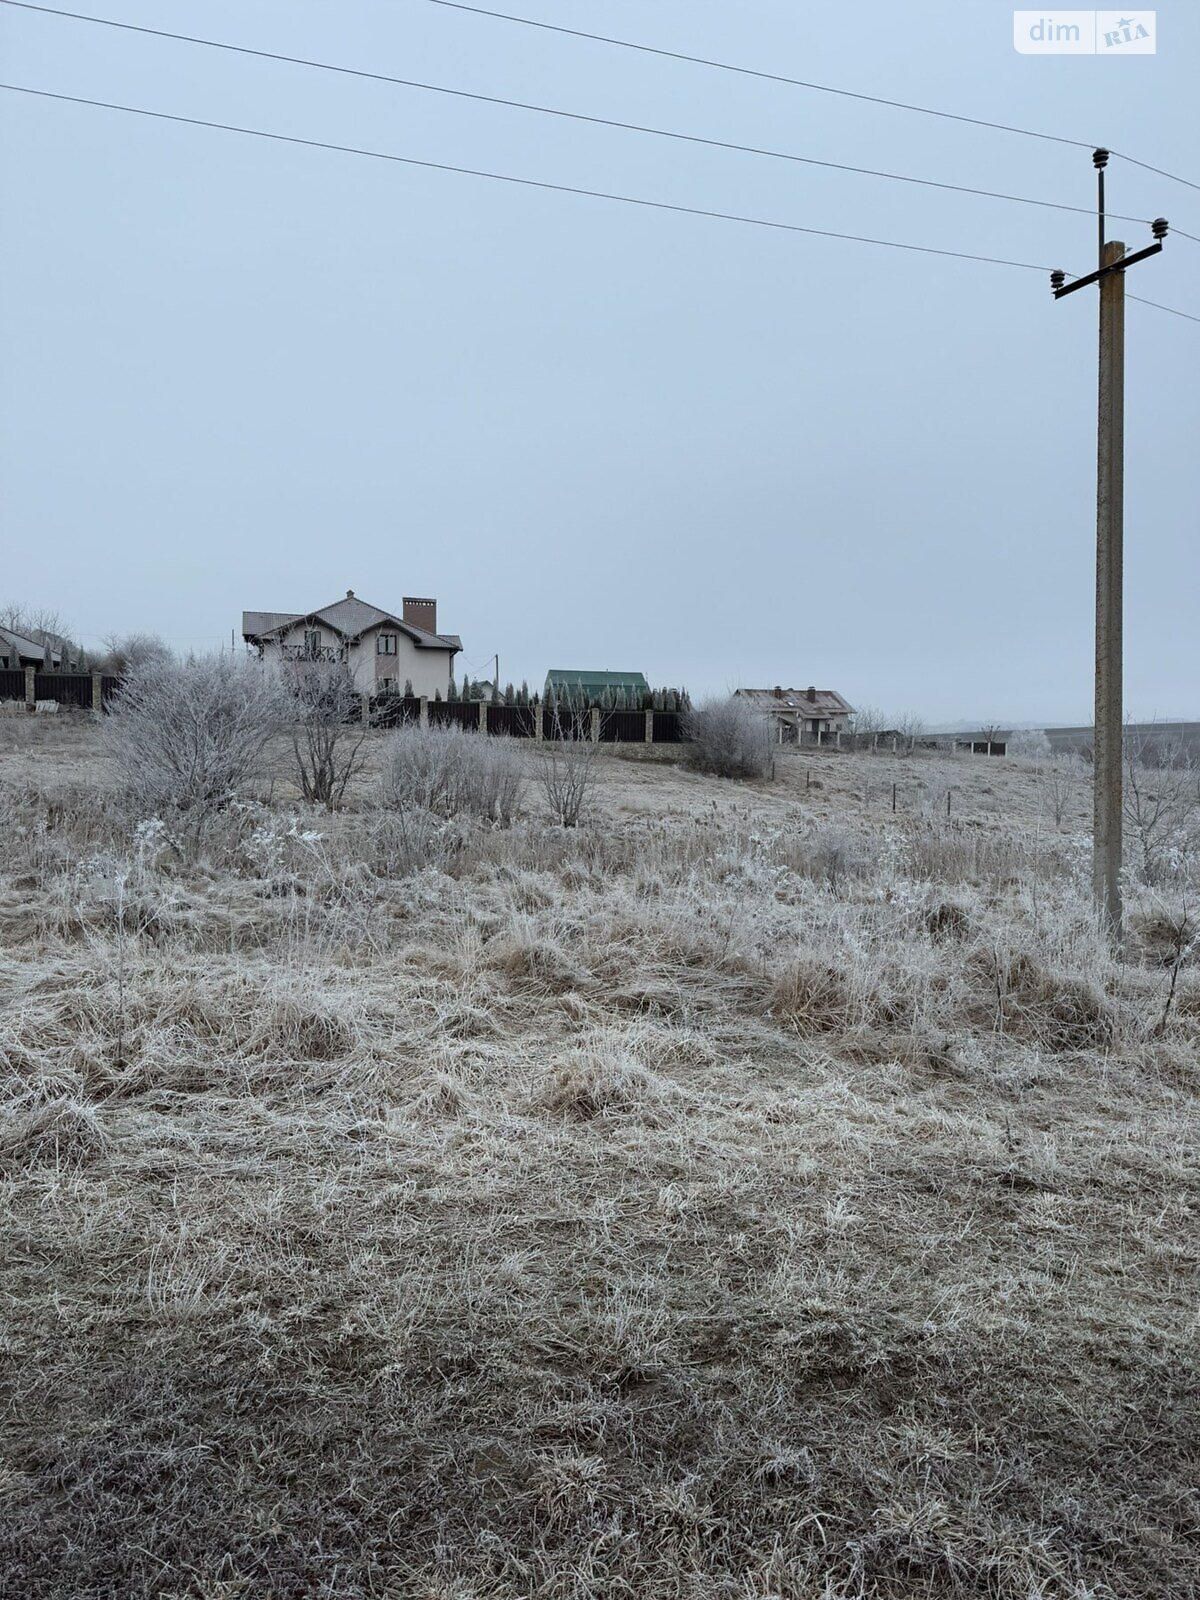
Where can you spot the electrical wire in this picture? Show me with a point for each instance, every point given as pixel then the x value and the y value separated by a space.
pixel 539 183
pixel 803 83
pixel 557 111
pixel 506 177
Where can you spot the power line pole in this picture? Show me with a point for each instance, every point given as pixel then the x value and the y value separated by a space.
pixel 1110 534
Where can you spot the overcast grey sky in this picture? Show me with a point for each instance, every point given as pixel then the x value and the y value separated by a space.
pixel 243 374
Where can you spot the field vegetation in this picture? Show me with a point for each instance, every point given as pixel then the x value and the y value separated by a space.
pixel 747 1192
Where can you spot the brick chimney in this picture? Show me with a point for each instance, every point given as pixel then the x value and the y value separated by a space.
pixel 779 691
pixel 420 613
pixel 810 693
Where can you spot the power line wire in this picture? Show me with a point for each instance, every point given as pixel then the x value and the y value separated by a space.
pixel 1169 309
pixel 800 83
pixel 539 183
pixel 751 72
pixel 557 111
pixel 506 177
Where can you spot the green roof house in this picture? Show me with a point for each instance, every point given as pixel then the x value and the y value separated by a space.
pixel 580 686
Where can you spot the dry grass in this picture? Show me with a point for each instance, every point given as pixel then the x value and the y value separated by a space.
pixel 748 1194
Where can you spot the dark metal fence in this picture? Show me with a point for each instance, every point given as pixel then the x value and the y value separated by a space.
pixel 12 684
pixel 108 688
pixel 518 722
pixel 456 713
pixel 395 710
pixel 562 722
pixel 668 727
pixel 622 727
pixel 67 688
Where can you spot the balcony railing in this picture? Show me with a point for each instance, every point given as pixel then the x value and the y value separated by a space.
pixel 312 652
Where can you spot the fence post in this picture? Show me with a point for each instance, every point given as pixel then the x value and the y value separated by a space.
pixel 595 724
pixel 365 712
pixel 649 727
pixel 30 689
pixel 97 692
pixel 483 705
pixel 838 740
pixel 539 729
pixel 423 712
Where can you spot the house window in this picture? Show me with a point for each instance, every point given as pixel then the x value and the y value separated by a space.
pixel 312 640
pixel 386 644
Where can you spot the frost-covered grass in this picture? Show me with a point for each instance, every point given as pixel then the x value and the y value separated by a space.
pixel 751 1192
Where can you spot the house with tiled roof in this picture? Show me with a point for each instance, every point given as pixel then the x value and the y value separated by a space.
pixel 801 713
pixel 383 650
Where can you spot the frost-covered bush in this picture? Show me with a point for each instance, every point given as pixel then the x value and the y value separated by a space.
pixel 189 738
pixel 453 773
pixel 728 738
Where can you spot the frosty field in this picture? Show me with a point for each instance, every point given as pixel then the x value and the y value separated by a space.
pixel 750 1193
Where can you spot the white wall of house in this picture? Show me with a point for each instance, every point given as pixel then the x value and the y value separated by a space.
pixel 381 654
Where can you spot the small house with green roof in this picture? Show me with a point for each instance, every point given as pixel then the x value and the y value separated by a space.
pixel 580 686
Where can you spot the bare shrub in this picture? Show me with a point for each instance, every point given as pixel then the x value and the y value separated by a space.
pixel 190 738
pixel 1033 744
pixel 836 855
pixel 124 652
pixel 451 773
pixel 728 738
pixel 1161 805
pixel 1062 784
pixel 328 731
pixel 568 771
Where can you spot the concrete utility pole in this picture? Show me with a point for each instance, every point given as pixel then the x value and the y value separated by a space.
pixel 1110 533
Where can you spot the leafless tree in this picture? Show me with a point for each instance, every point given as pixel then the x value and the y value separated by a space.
pixel 568 769
pixel 42 626
pixel 1061 783
pixel 1161 803
pixel 868 721
pixel 189 738
pixel 328 731
pixel 125 651
pixel 728 738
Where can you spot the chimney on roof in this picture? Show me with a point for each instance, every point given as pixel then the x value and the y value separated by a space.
pixel 349 594
pixel 778 692
pixel 810 693
pixel 420 613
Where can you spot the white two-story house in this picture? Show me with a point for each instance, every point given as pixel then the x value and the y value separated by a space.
pixel 382 650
